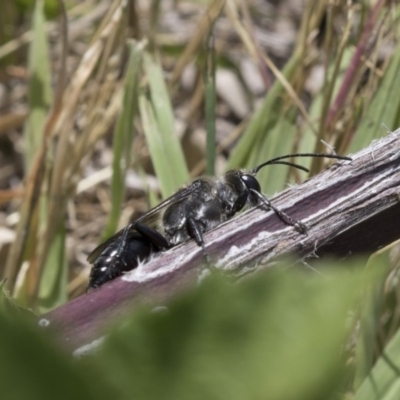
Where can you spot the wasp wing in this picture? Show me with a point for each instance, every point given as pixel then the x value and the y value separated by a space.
pixel 101 247
pixel 178 196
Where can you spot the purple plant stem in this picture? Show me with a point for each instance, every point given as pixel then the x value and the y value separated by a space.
pixel 352 207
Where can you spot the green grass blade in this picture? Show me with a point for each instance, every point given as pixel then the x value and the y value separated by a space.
pixel 210 106
pixel 39 92
pixel 159 152
pixel 53 285
pixel 123 137
pixel 384 111
pixel 52 290
pixel 279 141
pixel 167 154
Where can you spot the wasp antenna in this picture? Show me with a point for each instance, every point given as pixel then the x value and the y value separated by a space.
pixel 277 159
pixel 290 164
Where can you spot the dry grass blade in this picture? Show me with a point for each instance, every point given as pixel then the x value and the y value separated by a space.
pixel 213 11
pixel 330 116
pixel 272 128
pixel 12 121
pixel 76 27
pixel 250 146
pixel 59 188
pixel 256 53
pixel 36 175
pixel 383 112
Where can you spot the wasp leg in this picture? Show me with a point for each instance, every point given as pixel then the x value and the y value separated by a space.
pixel 152 235
pixel 195 233
pixel 286 219
pixel 239 204
pixel 124 238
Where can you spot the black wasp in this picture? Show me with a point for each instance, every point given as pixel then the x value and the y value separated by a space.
pixel 190 212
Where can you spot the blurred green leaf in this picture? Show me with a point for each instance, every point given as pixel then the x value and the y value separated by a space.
pixel 39 92
pixel 9 307
pixel 166 151
pixel 31 368
pixel 6 301
pixel 384 111
pixel 123 137
pixel 274 336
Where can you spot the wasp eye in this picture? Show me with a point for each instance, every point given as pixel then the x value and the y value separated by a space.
pixel 251 182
